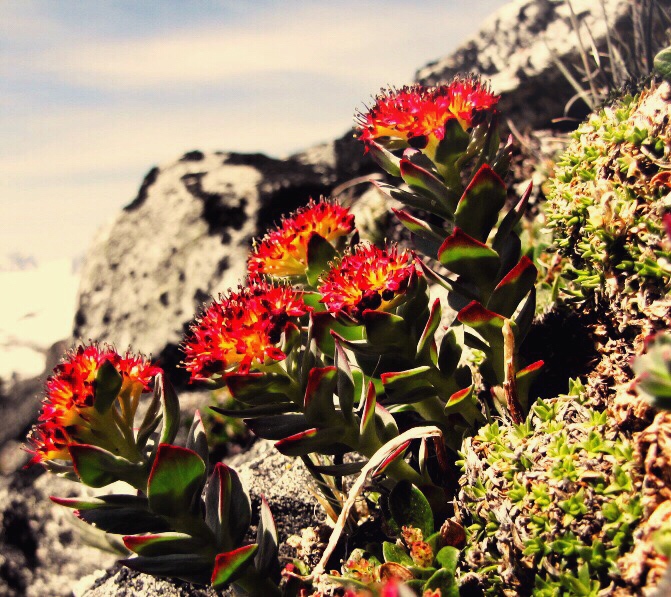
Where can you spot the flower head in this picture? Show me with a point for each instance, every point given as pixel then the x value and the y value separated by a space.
pixel 240 329
pixel 368 278
pixel 417 114
pixel 67 410
pixel 283 251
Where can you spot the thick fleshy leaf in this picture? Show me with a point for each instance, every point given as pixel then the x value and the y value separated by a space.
pixel 322 324
pixel 525 317
pixel 326 441
pixel 339 470
pixel 424 182
pixel 162 544
pixel 188 567
pixel 450 151
pixel 385 159
pixel 510 291
pixel 479 206
pixel 487 323
pixel 432 236
pixel 426 347
pixel 108 385
pixel 124 520
pixel 97 467
pixel 176 477
pixel 409 507
pixel 448 558
pixel 395 553
pixel 228 508
pixel 367 425
pixel 389 460
pixel 320 252
pixel 121 501
pixel 319 408
pixel 464 402
pixel 385 424
pixel 346 385
pixel 442 580
pixel 279 426
pixel 414 200
pixel 265 561
pixel 169 409
pixel 511 219
pixel 450 353
pixel 230 565
pixel 472 260
pixel 525 378
pixel 407 387
pixel 365 347
pixel 385 329
pixel 258 389
pixel 510 254
pixel 196 440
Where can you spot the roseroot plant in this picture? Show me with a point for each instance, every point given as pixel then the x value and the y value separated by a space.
pixel 330 347
pixel 179 522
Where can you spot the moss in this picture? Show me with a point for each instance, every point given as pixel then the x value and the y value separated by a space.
pixel 551 505
pixel 609 196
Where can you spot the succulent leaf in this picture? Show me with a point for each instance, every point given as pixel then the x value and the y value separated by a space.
pixel 410 508
pixel 479 206
pixel 107 387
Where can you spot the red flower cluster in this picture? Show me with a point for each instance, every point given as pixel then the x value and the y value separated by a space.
pixel 67 410
pixel 368 278
pixel 418 115
pixel 283 251
pixel 240 329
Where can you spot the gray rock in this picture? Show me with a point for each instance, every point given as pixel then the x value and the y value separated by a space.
pixel 515 47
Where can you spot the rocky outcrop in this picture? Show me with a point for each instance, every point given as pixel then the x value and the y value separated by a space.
pixel 518 47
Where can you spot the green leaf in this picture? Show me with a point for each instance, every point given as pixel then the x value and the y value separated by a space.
pixel 397 454
pixel 424 182
pixel 97 467
pixel 448 558
pixel 414 200
pixel 479 206
pixel 450 353
pixel 395 553
pixel 259 388
pixel 487 323
pixel 107 387
pixel 444 580
pixel 323 323
pixel 325 441
pixel 162 544
pixel 525 378
pixel 176 477
pixel 230 565
pixel 471 260
pixel 450 150
pixel 662 63
pixel 188 567
pixel 169 409
pixel 409 507
pixel 345 385
pixel 256 411
pixel 406 387
pixel 433 236
pixel 385 159
pixel 385 329
pixel 464 402
pixel 228 510
pixel 320 252
pixel 513 288
pixel 196 440
pixel 426 347
pixel 124 520
pixel 510 220
pixel 277 427
pixel 318 404
pixel 266 562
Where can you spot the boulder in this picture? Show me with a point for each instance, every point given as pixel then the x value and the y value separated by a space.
pixel 518 47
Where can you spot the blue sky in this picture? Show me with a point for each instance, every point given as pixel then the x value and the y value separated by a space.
pixel 94 93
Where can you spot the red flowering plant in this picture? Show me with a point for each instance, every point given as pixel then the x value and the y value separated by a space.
pixel 177 522
pixel 453 169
